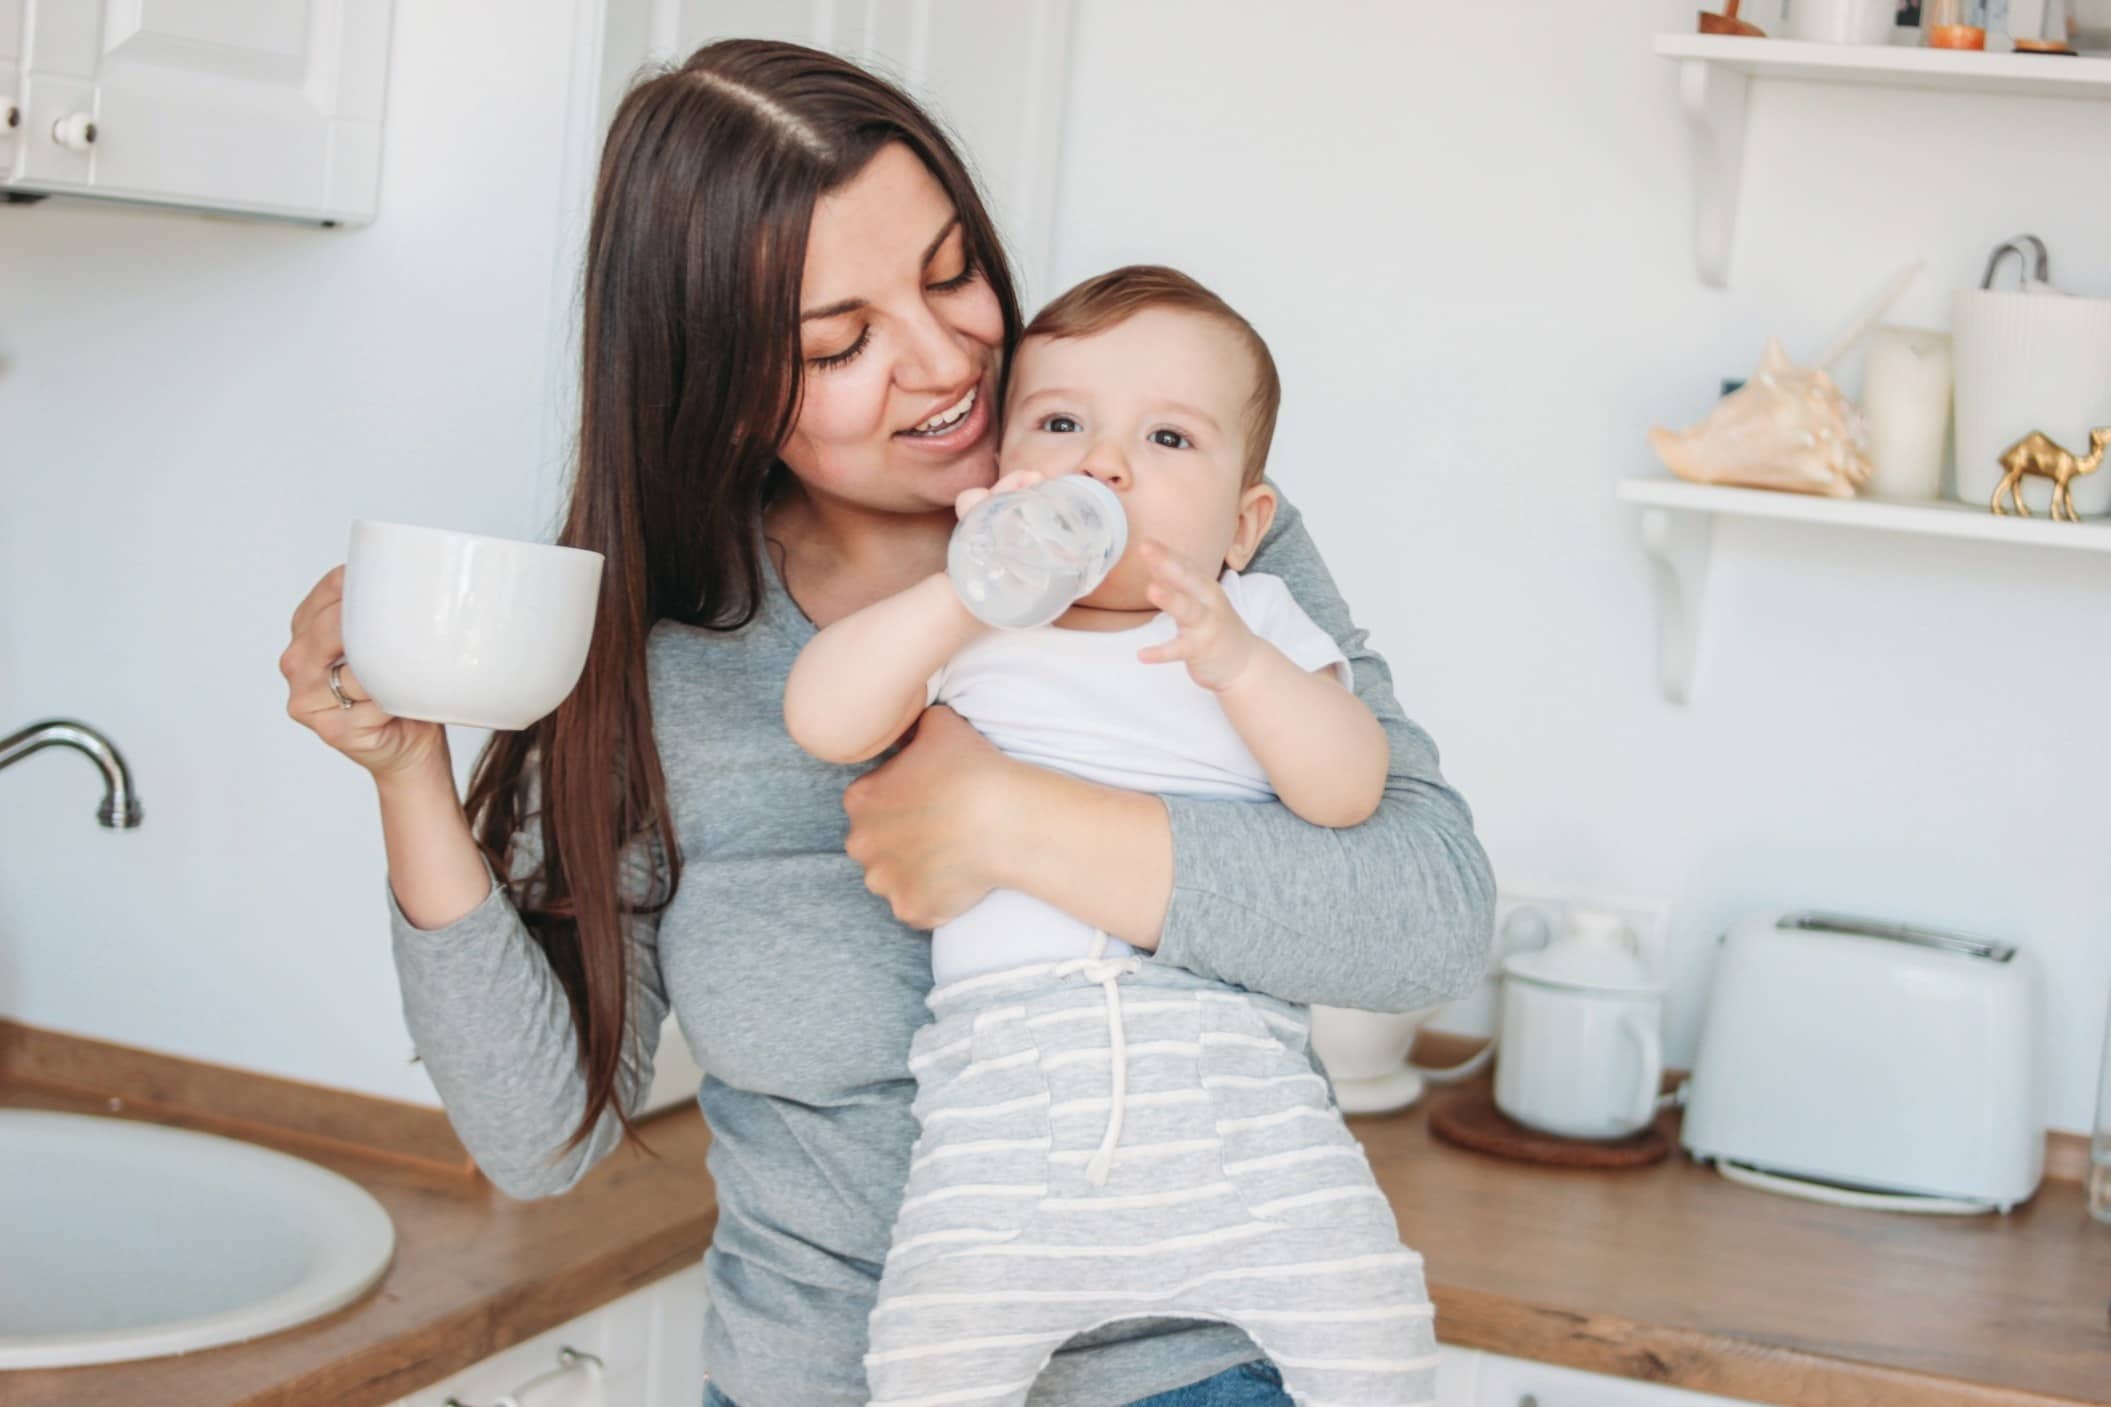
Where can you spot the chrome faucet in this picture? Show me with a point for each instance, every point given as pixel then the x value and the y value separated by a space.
pixel 120 809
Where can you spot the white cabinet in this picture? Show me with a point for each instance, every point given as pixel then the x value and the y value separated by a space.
pixel 1458 1376
pixel 643 1350
pixel 1515 1382
pixel 262 107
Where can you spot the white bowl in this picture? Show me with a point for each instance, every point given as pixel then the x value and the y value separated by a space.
pixel 451 627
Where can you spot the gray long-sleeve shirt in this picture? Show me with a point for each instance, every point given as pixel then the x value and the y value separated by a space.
pixel 798 993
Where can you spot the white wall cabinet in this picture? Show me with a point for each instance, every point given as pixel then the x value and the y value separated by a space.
pixel 646 1350
pixel 257 107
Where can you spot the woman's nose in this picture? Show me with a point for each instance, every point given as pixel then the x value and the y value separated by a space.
pixel 934 356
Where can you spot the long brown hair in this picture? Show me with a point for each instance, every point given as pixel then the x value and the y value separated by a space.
pixel 690 381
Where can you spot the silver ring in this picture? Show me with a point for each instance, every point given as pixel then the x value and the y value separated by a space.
pixel 336 689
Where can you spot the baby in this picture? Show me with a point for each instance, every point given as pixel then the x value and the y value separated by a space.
pixel 1085 1156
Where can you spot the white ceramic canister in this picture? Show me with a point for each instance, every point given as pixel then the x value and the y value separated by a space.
pixel 2024 362
pixel 1582 1052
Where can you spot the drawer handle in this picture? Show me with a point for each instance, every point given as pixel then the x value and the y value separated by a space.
pixel 569 1361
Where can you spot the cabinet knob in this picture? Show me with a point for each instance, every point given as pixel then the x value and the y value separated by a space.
pixel 10 115
pixel 75 131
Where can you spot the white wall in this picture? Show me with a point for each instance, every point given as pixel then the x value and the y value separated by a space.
pixel 192 412
pixel 1464 231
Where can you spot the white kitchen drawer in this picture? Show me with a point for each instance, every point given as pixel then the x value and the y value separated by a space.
pixel 1458 1376
pixel 649 1344
pixel 1515 1382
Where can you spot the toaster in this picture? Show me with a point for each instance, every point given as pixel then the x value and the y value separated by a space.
pixel 1865 1057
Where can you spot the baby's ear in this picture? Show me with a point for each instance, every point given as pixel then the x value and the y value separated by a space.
pixel 1256 512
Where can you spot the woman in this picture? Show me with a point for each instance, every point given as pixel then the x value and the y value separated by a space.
pixel 796 317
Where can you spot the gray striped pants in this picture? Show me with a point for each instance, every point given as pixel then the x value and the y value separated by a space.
pixel 1106 1139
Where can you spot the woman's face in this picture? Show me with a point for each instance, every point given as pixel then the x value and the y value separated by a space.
pixel 901 340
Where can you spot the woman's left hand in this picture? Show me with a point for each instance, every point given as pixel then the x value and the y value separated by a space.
pixel 923 823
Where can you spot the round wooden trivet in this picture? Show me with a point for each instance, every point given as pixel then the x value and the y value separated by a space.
pixel 1471 1120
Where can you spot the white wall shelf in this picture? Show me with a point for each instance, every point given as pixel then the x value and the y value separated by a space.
pixel 1715 75
pixel 1678 520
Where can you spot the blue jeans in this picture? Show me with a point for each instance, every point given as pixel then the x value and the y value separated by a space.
pixel 1254 1384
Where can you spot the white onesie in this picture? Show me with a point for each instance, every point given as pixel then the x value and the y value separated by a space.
pixel 1081 702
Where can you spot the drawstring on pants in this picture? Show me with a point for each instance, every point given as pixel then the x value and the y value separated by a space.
pixel 1104 971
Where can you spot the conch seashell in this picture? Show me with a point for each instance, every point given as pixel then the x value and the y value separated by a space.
pixel 1789 427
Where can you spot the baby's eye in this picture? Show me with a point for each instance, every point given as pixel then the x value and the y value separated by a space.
pixel 1060 424
pixel 1171 439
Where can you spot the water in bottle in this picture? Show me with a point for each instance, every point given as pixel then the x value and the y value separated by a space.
pixel 1020 559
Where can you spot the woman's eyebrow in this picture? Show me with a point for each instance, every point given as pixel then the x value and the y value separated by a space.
pixel 851 305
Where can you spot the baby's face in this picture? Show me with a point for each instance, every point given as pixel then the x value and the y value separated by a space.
pixel 1153 407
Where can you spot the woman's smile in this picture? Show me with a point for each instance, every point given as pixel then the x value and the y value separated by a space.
pixel 958 426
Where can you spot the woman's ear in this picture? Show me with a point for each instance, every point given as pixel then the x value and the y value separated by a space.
pixel 1256 512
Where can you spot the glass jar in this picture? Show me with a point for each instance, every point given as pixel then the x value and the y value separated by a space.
pixel 1953 24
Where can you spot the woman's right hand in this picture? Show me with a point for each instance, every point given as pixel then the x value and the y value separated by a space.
pixel 385 745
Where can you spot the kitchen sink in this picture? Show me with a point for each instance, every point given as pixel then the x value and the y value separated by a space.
pixel 121 1239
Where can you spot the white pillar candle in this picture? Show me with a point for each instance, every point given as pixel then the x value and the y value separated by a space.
pixel 1906 408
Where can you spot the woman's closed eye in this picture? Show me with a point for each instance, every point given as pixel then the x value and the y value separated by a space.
pixel 836 359
pixel 831 360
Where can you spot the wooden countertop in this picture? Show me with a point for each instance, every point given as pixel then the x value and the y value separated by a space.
pixel 1668 1274
pixel 1674 1274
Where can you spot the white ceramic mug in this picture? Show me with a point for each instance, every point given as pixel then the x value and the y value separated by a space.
pixel 1842 21
pixel 1577 1063
pixel 451 627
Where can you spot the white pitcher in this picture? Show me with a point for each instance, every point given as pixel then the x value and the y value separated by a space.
pixel 1582 1052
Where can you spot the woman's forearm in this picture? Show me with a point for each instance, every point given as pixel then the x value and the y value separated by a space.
pixel 1101 854
pixel 434 867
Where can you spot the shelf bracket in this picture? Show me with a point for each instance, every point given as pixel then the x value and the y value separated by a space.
pixel 1714 97
pixel 1678 546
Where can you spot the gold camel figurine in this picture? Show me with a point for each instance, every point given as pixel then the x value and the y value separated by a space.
pixel 2036 456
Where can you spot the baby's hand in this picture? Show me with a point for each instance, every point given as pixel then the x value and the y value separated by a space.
pixel 1017 479
pixel 1214 641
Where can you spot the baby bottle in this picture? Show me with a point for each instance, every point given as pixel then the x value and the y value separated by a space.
pixel 1020 558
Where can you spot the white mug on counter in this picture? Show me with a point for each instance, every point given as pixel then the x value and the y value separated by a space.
pixel 1581 1051
pixel 452 627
